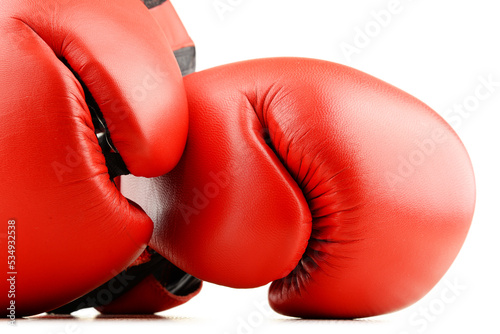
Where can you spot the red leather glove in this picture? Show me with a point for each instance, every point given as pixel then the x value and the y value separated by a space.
pixel 351 195
pixel 151 284
pixel 69 70
pixel 175 32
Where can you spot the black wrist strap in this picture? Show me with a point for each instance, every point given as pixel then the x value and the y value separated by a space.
pixel 153 3
pixel 169 276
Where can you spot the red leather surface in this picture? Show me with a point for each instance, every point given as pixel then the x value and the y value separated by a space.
pixel 74 229
pixel 150 296
pixel 356 199
pixel 171 25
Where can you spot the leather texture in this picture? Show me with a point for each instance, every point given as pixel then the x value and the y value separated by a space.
pixel 351 195
pixel 177 36
pixel 75 230
pixel 172 26
pixel 153 295
pixel 149 285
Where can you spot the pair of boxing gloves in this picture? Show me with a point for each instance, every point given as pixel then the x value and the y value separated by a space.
pixel 348 194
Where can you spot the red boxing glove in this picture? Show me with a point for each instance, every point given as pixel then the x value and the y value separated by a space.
pixel 71 70
pixel 351 195
pixel 175 32
pixel 151 284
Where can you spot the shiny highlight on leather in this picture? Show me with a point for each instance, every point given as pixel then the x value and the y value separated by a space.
pixel 75 230
pixel 351 195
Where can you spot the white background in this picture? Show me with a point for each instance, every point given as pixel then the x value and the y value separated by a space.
pixel 437 51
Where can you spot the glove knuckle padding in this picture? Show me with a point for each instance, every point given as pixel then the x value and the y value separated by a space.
pixel 353 196
pixel 75 230
pixel 124 60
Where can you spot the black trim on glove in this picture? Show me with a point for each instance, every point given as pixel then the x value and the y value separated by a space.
pixel 153 3
pixel 186 58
